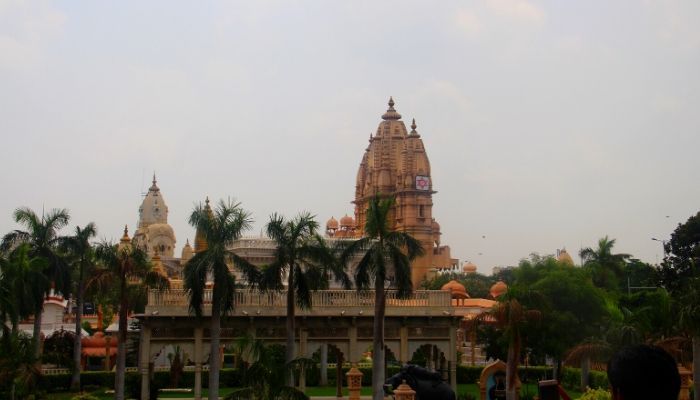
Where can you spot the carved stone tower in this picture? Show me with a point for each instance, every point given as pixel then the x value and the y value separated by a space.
pixel 395 164
pixel 154 234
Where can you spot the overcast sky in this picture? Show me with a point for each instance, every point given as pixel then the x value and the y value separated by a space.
pixel 547 124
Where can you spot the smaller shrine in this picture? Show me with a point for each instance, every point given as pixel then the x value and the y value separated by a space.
pixel 98 351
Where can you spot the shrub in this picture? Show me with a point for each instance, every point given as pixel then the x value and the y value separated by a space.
pixel 84 396
pixel 595 394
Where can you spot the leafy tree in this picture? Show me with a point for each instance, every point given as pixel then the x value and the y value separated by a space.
pixel 572 310
pixel 386 257
pixel 42 238
pixel 511 317
pixel 129 267
pixel 264 373
pixel 607 267
pixel 81 256
pixel 58 348
pixel 216 230
pixel 22 281
pixel 19 372
pixel 303 256
pixel 680 274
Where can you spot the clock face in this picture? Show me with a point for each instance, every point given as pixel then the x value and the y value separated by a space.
pixel 422 182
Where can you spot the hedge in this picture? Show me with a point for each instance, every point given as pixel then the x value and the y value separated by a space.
pixel 230 377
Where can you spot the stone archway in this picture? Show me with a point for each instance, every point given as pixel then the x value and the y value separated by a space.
pixel 490 377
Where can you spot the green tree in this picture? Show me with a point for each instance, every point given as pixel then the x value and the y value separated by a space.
pixel 216 231
pixel 263 373
pixel 511 317
pixel 22 282
pixel 303 256
pixel 607 268
pixel 81 256
pixel 19 372
pixel 41 235
pixel 386 257
pixel 129 267
pixel 680 274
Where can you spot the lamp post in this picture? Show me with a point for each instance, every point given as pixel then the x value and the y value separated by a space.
pixel 663 244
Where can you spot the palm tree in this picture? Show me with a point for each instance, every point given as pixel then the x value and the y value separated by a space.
pixel 386 256
pixel 263 373
pixel 216 231
pixel 21 284
pixel 510 316
pixel 82 254
pixel 604 263
pixel 303 256
pixel 42 237
pixel 129 267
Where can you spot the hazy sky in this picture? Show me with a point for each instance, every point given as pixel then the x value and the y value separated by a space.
pixel 547 124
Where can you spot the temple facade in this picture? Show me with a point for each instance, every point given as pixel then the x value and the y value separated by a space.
pixel 395 165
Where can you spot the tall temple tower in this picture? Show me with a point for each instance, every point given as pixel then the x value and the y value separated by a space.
pixel 154 234
pixel 395 164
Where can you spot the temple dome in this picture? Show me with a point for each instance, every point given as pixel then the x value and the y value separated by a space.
pixel 469 267
pixel 498 289
pixel 161 230
pixel 153 209
pixel 332 223
pixel 347 222
pixel 458 290
pixel 565 258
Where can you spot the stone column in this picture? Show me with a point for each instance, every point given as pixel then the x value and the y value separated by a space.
pixel 198 333
pixel 324 365
pixel 145 358
pixel 352 334
pixel 452 356
pixel 403 346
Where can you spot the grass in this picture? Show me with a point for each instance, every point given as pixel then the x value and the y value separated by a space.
pixel 311 391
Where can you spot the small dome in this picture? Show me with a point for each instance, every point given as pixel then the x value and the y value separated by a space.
pixel 469 267
pixel 161 230
pixel 347 222
pixel 498 289
pixel 436 226
pixel 565 258
pixel 458 290
pixel 332 223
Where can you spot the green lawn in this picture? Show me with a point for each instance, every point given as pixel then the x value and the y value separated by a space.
pixel 472 389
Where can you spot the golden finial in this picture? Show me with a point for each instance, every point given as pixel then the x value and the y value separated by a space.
pixel 391 113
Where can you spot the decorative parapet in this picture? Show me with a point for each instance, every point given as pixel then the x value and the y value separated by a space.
pixel 175 302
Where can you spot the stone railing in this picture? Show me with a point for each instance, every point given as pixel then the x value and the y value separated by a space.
pixel 175 302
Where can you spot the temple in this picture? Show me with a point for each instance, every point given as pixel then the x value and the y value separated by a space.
pixel 395 165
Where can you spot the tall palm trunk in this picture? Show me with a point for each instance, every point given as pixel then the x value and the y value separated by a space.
pixel 215 339
pixel 696 366
pixel 378 342
pixel 75 379
pixel 585 372
pixel 291 328
pixel 512 368
pixel 121 344
pixel 37 332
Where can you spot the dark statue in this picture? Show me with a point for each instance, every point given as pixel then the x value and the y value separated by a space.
pixel 428 385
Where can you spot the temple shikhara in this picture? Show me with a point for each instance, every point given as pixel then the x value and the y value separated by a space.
pixel 395 164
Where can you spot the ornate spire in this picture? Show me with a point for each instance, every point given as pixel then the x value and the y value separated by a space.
pixel 154 186
pixel 413 129
pixel 125 237
pixel 391 113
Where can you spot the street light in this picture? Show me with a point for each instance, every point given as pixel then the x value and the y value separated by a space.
pixel 663 244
